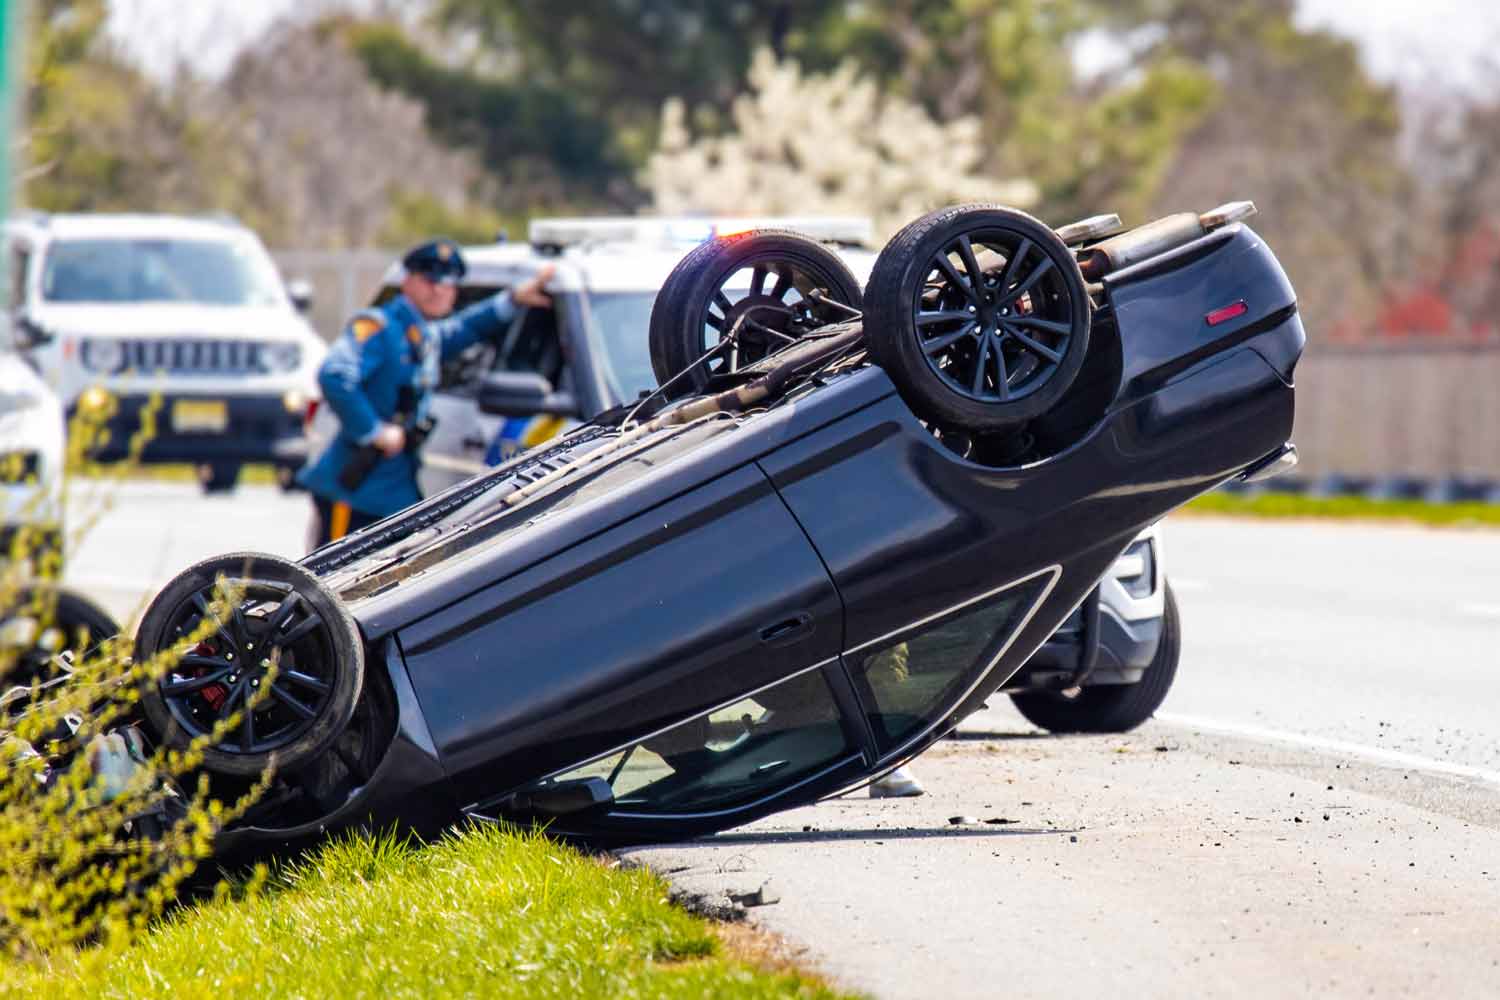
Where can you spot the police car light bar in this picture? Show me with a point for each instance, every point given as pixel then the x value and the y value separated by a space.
pixel 667 231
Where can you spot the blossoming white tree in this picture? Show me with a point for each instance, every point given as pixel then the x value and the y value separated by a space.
pixel 823 144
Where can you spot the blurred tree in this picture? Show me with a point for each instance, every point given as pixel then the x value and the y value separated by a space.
pixel 563 101
pixel 622 58
pixel 1203 101
pixel 331 159
pixel 823 143
pixel 1303 131
pixel 100 136
pixel 537 141
pixel 1456 159
pixel 1089 145
pixel 298 141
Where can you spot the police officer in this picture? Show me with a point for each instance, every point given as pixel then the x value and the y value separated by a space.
pixel 388 357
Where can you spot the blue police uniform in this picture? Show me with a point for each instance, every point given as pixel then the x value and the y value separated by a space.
pixel 379 352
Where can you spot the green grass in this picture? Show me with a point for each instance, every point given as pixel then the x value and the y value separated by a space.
pixel 1468 514
pixel 485 912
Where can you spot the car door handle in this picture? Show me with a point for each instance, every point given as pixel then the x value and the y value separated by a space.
pixel 793 629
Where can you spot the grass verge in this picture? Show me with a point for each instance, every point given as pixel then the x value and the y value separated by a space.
pixel 485 912
pixel 1348 508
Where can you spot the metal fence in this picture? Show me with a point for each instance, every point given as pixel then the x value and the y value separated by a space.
pixel 343 281
pixel 1429 410
pixel 1425 410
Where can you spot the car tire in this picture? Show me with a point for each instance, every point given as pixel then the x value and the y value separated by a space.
pixel 1111 708
pixel 692 310
pixel 984 355
pixel 313 642
pixel 81 625
pixel 219 477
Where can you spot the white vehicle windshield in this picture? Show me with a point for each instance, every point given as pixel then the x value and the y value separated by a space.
pixel 619 324
pixel 205 272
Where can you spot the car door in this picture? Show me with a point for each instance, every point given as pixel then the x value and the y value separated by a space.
pixel 950 572
pixel 669 616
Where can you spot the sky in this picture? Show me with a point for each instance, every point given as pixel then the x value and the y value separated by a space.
pixel 1414 42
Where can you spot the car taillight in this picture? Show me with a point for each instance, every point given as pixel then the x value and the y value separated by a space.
pixel 312 411
pixel 1228 312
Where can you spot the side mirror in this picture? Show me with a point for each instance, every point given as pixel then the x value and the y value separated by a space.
pixel 523 394
pixel 563 797
pixel 300 291
pixel 31 334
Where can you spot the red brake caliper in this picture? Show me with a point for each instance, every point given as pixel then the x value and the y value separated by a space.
pixel 214 694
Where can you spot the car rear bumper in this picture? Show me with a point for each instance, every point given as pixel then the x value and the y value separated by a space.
pixel 258 428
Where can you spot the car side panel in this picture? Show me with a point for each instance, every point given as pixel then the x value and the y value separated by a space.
pixel 909 529
pixel 652 621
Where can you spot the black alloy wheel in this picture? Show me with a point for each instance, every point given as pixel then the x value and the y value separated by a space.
pixel 980 316
pixel 744 297
pixel 39 628
pixel 286 657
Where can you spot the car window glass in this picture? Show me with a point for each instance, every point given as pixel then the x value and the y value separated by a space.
pixel 209 272
pixel 619 324
pixel 461 373
pixel 734 755
pixel 903 680
pixel 532 345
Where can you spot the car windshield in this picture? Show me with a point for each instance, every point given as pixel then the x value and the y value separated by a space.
pixel 207 272
pixel 618 325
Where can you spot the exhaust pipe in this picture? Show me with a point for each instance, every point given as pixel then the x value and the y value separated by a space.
pixel 1157 237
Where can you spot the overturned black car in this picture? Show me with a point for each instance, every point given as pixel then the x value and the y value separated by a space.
pixel 843 521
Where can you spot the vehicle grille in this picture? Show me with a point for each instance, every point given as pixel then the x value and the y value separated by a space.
pixel 195 357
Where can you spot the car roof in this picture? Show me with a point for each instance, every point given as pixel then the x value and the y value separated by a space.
pixel 129 226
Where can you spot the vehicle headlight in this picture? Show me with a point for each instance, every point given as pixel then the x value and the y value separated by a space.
pixel 102 354
pixel 96 403
pixel 1136 569
pixel 284 357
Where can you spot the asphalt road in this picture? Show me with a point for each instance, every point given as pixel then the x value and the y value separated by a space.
pixel 1316 810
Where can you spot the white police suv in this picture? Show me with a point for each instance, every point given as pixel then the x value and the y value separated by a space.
pixel 31 452
pixel 119 311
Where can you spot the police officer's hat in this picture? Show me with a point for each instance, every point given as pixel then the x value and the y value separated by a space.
pixel 437 260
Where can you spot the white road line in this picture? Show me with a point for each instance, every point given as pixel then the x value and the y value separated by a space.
pixel 1379 755
pixel 1480 610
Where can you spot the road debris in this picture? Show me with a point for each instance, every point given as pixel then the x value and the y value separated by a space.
pixel 763 896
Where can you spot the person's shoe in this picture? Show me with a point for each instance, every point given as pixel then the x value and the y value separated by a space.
pixel 898 784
